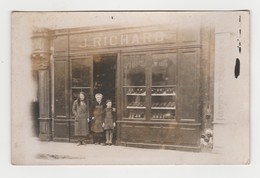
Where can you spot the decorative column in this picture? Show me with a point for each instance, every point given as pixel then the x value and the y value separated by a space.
pixel 41 62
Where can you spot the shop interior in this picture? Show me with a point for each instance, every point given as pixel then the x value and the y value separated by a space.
pixel 104 72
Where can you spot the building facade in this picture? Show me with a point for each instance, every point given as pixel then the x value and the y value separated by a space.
pixel 160 79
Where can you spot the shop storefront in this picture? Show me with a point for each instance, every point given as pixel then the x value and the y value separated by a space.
pixel 160 79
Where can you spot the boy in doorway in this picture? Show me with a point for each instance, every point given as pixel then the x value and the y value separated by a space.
pixel 109 122
pixel 97 119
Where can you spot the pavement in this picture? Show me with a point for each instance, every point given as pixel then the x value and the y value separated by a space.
pixel 60 153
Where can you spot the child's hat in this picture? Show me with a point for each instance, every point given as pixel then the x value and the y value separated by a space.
pixel 109 100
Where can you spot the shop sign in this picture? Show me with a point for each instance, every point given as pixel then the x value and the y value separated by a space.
pixel 102 40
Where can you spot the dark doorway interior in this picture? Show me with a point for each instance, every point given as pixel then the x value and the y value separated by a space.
pixel 105 76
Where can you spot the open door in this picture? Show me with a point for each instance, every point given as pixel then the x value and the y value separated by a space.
pixel 104 70
pixel 104 78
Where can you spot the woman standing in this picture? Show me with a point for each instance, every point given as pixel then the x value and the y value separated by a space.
pixel 81 111
pixel 97 119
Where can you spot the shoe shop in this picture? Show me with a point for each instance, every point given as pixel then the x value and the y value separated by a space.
pixel 158 78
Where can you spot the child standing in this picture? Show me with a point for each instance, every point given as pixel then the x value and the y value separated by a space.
pixel 109 122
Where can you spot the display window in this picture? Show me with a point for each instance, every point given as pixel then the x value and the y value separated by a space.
pixel 149 86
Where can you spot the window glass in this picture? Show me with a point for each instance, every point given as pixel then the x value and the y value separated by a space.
pixel 134 70
pixel 163 90
pixel 164 69
pixel 134 86
pixel 81 72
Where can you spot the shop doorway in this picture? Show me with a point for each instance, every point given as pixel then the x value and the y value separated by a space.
pixel 104 76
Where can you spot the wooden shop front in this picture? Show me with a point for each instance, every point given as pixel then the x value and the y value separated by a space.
pixel 159 78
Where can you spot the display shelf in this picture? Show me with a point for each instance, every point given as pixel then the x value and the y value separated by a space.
pixel 135 94
pixel 137 118
pixel 135 107
pixel 165 94
pixel 127 86
pixel 163 115
pixel 167 108
pixel 163 119
pixel 163 91
pixel 134 119
pixel 170 86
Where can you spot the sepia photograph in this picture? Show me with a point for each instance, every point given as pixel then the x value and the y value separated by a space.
pixel 130 88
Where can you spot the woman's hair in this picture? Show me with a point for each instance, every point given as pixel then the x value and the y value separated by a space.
pixel 85 98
